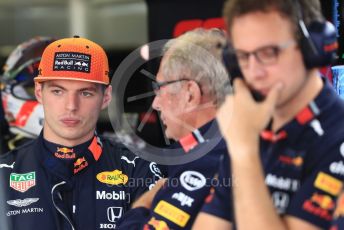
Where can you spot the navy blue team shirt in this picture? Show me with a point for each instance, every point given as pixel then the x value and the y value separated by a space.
pixel 188 188
pixel 89 186
pixel 303 163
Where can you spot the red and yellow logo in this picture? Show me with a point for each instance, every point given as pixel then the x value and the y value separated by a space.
pixel 156 224
pixel 296 161
pixel 328 183
pixel 115 177
pixel 172 213
pixel 80 164
pixel 323 201
pixel 65 153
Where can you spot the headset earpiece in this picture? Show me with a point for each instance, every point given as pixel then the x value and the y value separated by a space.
pixel 318 42
pixel 320 48
pixel 230 61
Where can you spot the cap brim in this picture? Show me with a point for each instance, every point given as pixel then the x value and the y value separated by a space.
pixel 43 79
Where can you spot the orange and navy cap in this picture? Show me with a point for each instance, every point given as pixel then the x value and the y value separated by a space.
pixel 74 59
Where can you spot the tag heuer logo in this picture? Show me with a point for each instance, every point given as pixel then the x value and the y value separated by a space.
pixel 22 182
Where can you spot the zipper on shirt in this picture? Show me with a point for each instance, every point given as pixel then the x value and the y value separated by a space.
pixel 57 208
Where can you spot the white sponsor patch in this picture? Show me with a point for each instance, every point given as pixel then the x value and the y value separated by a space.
pixel 22 203
pixel 121 195
pixel 155 170
pixel 281 201
pixel 129 161
pixel 7 166
pixel 287 184
pixel 183 199
pixel 192 180
pixel 24 211
pixel 114 213
pixel 315 124
pixel 107 226
pixel 337 167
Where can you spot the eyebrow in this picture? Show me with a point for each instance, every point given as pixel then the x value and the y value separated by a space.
pixel 91 88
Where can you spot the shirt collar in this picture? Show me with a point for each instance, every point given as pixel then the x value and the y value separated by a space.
pixel 308 116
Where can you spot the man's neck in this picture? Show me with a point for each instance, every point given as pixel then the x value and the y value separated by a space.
pixel 203 116
pixel 51 137
pixel 290 109
pixel 196 119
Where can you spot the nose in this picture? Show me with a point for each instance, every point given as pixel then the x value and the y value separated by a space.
pixel 72 102
pixel 156 103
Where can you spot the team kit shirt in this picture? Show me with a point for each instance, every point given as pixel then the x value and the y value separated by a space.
pixel 188 187
pixel 303 162
pixel 89 186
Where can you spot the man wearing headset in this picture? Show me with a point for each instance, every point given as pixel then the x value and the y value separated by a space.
pixel 287 150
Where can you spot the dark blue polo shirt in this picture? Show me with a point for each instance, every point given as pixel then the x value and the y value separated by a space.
pixel 302 162
pixel 189 186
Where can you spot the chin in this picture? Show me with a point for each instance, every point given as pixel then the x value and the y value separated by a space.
pixel 170 136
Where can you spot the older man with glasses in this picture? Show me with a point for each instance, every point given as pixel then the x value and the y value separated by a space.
pixel 189 88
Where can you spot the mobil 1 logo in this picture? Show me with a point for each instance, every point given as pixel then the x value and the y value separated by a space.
pixel 71 61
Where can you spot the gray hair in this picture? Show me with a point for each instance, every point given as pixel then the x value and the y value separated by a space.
pixel 197 55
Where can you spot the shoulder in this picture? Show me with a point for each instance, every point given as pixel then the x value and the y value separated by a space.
pixel 19 151
pixel 121 152
pixel 116 146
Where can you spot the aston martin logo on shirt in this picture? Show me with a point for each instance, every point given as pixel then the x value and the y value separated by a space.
pixel 22 203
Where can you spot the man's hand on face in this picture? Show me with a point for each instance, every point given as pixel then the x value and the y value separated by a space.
pixel 241 118
pixel 147 198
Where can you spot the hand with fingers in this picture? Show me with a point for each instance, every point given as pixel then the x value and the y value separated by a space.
pixel 241 118
pixel 146 199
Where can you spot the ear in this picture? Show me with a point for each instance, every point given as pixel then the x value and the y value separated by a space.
pixel 38 91
pixel 194 94
pixel 107 97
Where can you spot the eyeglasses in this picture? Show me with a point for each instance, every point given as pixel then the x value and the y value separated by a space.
pixel 267 55
pixel 157 85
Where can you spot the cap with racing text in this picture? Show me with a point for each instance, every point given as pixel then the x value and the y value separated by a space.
pixel 74 59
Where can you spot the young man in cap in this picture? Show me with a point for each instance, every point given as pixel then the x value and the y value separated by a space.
pixel 286 151
pixel 69 177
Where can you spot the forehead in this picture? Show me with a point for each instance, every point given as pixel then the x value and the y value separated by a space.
pixel 160 75
pixel 72 85
pixel 258 29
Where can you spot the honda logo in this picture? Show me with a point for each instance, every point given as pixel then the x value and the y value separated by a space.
pixel 114 213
